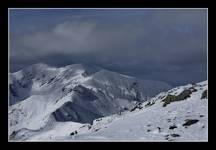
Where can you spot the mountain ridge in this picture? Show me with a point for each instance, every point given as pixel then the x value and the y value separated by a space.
pixel 183 119
pixel 69 93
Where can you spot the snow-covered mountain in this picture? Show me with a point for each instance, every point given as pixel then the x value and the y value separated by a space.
pixel 41 95
pixel 179 114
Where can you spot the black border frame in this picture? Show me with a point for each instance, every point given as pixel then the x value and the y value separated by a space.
pixel 102 4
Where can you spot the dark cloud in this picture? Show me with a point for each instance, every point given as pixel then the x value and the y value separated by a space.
pixel 168 45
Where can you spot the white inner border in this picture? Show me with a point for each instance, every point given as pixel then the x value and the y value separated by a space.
pixel 96 9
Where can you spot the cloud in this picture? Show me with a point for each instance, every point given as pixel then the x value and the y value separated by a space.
pixel 76 32
pixel 157 44
pixel 65 37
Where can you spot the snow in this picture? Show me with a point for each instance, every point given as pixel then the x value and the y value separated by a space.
pixel 151 123
pixel 99 104
pixel 59 128
pixel 48 86
pixel 18 75
pixel 135 126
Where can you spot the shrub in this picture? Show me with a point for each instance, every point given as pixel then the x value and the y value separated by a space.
pixel 175 135
pixel 149 104
pixel 193 89
pixel 204 94
pixel 13 134
pixel 169 99
pixel 172 98
pixel 137 106
pixel 13 90
pixel 50 80
pixel 73 133
pixel 185 94
pixel 133 109
pixel 96 130
pixel 189 122
pixel 172 127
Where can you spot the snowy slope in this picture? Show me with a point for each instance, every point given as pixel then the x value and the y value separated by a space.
pixel 42 94
pixel 158 123
pixel 182 120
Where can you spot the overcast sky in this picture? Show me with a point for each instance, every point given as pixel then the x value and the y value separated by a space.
pixel 157 44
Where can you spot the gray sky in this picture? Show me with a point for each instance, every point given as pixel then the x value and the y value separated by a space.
pixel 157 44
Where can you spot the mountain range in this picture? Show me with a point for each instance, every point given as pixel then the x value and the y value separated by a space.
pixel 86 102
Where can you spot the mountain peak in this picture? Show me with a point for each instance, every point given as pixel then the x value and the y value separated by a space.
pixel 82 65
pixel 40 65
pixel 89 69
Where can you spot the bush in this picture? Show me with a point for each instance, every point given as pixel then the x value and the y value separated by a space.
pixel 13 90
pixel 73 133
pixel 172 98
pixel 204 94
pixel 172 127
pixel 137 106
pixel 169 99
pixel 133 109
pixel 193 89
pixel 50 80
pixel 189 122
pixel 149 104
pixel 185 94
pixel 13 134
pixel 175 135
